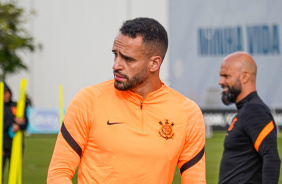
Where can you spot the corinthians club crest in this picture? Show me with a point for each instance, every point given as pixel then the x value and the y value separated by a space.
pixel 166 130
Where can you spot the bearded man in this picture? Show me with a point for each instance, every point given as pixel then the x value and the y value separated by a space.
pixel 250 147
pixel 132 129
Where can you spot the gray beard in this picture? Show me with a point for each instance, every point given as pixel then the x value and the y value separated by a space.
pixel 231 96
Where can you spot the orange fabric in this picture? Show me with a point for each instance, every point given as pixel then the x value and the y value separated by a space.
pixel 14 110
pixel 266 130
pixel 232 124
pixel 194 143
pixel 122 143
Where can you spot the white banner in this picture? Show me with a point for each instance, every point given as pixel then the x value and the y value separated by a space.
pixel 43 121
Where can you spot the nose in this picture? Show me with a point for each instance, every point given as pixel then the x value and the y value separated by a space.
pixel 117 64
pixel 221 81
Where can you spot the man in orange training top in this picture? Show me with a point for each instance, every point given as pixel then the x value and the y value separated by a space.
pixel 133 129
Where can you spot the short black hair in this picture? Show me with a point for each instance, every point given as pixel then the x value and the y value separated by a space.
pixel 7 88
pixel 152 32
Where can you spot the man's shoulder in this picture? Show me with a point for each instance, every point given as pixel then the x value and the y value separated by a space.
pixel 100 87
pixel 97 89
pixel 175 93
pixel 257 112
pixel 181 98
pixel 11 104
pixel 256 107
pixel 107 84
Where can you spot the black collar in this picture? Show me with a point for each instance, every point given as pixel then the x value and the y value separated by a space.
pixel 250 96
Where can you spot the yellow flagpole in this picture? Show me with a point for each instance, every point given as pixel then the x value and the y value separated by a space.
pixel 61 103
pixel 15 173
pixel 1 126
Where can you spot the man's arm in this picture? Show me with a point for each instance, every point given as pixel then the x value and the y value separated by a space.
pixel 70 142
pixel 63 163
pixel 192 159
pixel 262 130
pixel 271 161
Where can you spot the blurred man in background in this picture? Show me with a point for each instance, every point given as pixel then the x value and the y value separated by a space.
pixel 133 129
pixel 11 123
pixel 250 147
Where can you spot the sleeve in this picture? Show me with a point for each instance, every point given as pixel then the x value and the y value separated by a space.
pixel 261 128
pixel 71 140
pixel 192 158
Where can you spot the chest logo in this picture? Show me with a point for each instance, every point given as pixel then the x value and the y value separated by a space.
pixel 14 110
pixel 166 130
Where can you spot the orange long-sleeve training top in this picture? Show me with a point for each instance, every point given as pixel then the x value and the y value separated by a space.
pixel 119 137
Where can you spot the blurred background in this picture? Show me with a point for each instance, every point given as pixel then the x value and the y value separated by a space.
pixel 77 39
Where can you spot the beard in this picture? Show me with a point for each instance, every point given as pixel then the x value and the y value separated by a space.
pixel 231 95
pixel 130 84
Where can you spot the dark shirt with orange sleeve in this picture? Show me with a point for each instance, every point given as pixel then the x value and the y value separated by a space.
pixel 118 137
pixel 250 147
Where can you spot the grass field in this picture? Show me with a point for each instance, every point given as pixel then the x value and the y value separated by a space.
pixel 39 149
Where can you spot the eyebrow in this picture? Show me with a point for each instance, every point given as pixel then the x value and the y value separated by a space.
pixel 123 56
pixel 223 75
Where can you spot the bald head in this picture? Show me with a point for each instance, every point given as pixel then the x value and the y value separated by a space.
pixel 238 75
pixel 243 63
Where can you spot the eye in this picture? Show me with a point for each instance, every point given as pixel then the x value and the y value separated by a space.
pixel 127 59
pixel 115 55
pixel 224 75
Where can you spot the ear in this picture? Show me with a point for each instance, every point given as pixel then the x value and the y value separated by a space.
pixel 155 63
pixel 245 77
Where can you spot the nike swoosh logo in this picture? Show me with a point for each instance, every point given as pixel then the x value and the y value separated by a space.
pixel 108 123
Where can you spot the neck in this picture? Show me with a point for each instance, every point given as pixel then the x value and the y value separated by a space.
pixel 147 88
pixel 243 95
